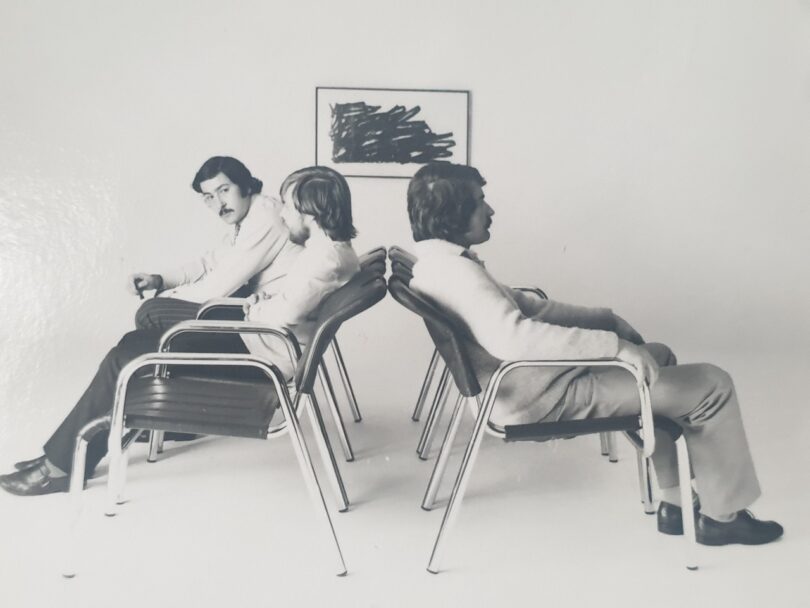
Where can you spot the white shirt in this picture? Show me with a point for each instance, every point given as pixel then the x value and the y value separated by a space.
pixel 322 267
pixel 257 252
pixel 511 325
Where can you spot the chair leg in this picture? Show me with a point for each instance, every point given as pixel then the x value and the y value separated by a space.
pixel 311 479
pixel 688 514
pixel 423 392
pixel 613 455
pixel 423 448
pixel 460 486
pixel 327 454
pixel 329 391
pixel 344 378
pixel 155 445
pixel 603 444
pixel 117 475
pixel 76 506
pixel 644 482
pixel 436 476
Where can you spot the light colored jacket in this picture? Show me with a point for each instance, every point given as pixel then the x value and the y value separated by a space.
pixel 322 267
pixel 258 253
pixel 507 324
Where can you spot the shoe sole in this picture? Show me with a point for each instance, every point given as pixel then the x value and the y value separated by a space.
pixel 710 542
pixel 672 530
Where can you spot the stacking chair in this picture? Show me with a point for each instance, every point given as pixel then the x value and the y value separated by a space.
pixel 224 308
pixel 208 405
pixel 402 262
pixel 453 341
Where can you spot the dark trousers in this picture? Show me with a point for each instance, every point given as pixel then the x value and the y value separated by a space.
pixel 97 400
pixel 163 313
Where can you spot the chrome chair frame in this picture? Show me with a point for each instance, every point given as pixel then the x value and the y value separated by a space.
pixel 294 354
pixel 450 340
pixel 118 442
pixel 647 436
pixel 323 377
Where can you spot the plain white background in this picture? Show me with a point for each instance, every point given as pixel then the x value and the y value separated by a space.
pixel 648 156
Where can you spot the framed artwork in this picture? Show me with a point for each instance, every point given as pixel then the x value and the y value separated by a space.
pixel 390 132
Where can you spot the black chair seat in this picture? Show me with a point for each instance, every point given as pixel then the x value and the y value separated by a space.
pixel 206 406
pixel 566 429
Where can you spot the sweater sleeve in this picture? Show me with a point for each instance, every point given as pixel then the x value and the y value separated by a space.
pixel 497 322
pixel 226 269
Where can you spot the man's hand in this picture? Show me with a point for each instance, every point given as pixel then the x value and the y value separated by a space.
pixel 139 282
pixel 640 359
pixel 249 301
pixel 625 331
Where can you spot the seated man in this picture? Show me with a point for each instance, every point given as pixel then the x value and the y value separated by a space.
pixel 448 214
pixel 250 257
pixel 318 209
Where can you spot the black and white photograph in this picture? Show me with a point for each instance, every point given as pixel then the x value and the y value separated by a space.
pixel 372 304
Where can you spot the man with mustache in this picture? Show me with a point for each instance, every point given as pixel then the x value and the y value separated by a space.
pixel 448 215
pixel 318 208
pixel 252 255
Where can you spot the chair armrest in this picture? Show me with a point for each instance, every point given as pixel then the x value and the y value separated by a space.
pixel 646 414
pixel 164 359
pixel 232 327
pixel 214 303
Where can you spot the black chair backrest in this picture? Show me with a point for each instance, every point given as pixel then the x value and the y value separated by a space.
pixel 364 290
pixel 449 337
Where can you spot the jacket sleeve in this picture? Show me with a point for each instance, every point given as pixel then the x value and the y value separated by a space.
pixel 303 290
pixel 261 236
pixel 497 322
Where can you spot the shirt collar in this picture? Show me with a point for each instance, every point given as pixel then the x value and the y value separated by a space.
pixel 430 247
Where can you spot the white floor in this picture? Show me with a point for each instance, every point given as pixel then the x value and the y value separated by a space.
pixel 228 522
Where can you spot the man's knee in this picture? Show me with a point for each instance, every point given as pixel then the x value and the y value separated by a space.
pixel 662 354
pixel 719 378
pixel 718 392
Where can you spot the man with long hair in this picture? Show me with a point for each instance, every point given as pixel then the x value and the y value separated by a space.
pixel 449 214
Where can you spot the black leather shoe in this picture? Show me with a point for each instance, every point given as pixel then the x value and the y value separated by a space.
pixel 34 481
pixel 745 529
pixel 670 518
pixel 27 464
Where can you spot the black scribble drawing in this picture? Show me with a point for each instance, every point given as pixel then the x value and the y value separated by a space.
pixel 362 134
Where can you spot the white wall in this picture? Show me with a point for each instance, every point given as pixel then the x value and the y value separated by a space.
pixel 649 156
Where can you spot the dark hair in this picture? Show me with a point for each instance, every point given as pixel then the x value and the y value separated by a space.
pixel 441 201
pixel 323 193
pixel 233 169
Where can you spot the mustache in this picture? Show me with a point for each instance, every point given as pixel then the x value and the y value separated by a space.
pixel 224 210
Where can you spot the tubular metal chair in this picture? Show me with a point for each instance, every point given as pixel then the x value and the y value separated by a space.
pixel 402 262
pixel 223 308
pixel 218 406
pixel 452 342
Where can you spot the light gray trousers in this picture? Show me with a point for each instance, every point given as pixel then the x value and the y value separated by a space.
pixel 698 396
